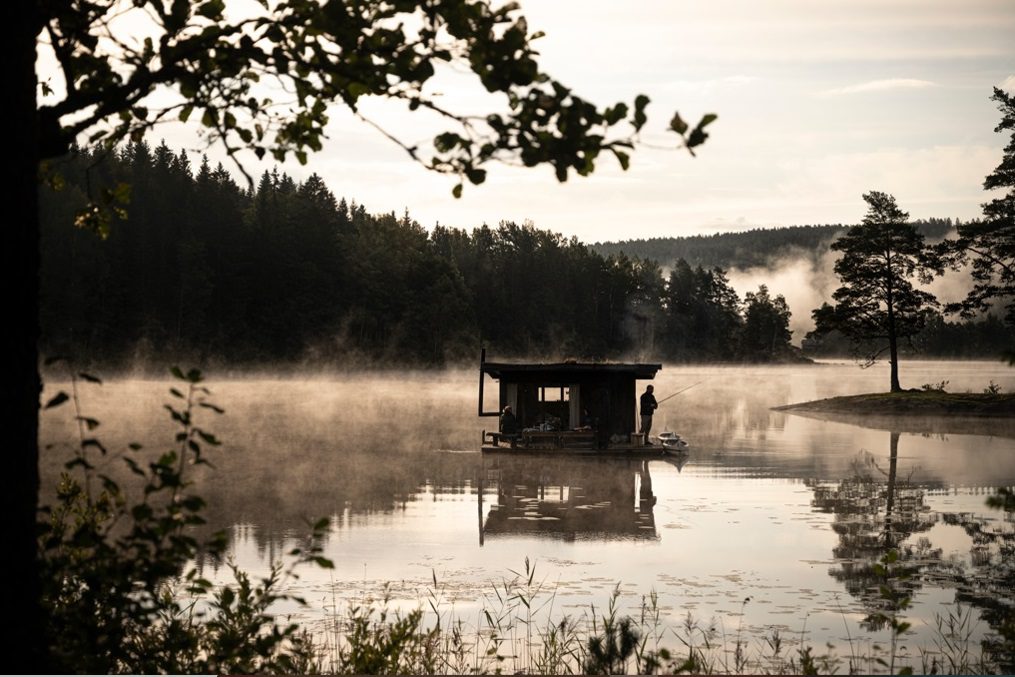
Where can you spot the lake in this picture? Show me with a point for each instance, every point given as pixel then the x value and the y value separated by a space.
pixel 773 522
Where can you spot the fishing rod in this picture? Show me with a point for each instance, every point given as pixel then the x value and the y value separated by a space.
pixel 678 392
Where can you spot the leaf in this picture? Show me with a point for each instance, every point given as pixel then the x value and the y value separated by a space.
pixel 677 124
pixel 109 484
pixel 57 400
pixel 615 114
pixel 639 119
pixel 93 442
pixel 208 438
pixel 212 9
pixel 446 141
pixel 121 193
pixel 209 405
pixel 90 423
pixel 49 361
pixel 79 461
pixel 476 176
pixel 457 191
pixel 134 467
pixel 192 503
pixel 623 158
pixel 696 138
pixel 90 378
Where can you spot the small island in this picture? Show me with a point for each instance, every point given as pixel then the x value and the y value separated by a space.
pixel 925 412
pixel 912 402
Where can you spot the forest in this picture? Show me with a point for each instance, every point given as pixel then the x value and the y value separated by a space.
pixel 752 248
pixel 199 267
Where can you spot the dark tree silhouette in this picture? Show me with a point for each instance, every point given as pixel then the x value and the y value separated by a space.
pixel 222 69
pixel 991 242
pixel 877 305
pixel 765 335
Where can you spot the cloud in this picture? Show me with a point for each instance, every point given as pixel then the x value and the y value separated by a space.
pixel 937 181
pixel 1008 84
pixel 880 86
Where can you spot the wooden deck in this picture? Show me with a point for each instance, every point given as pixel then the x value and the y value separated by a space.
pixel 567 442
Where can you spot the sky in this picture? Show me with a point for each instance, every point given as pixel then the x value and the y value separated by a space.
pixel 818 102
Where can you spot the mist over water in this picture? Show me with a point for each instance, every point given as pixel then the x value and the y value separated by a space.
pixel 804 282
pixel 764 506
pixel 807 279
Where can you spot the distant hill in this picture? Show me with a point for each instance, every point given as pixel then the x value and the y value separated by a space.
pixel 747 249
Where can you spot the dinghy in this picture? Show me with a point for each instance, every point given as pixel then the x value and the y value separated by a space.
pixel 672 442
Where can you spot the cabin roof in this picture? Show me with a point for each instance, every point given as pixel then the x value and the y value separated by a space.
pixel 572 369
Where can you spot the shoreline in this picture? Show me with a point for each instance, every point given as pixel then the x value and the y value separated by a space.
pixel 912 403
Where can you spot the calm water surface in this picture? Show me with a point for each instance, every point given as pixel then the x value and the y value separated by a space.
pixel 785 511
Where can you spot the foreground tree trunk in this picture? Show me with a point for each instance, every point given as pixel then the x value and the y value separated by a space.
pixel 23 644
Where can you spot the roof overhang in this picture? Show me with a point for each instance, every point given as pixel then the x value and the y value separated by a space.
pixel 576 371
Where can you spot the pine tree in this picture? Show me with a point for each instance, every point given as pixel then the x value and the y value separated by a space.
pixel 991 242
pixel 877 304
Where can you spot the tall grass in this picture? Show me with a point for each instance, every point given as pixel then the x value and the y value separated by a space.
pixel 519 629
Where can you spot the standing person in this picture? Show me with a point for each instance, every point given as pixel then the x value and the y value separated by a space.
pixel 648 407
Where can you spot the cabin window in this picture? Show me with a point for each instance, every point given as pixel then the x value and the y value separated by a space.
pixel 545 407
pixel 554 394
pixel 554 412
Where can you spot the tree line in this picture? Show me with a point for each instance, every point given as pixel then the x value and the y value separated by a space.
pixel 754 247
pixel 196 266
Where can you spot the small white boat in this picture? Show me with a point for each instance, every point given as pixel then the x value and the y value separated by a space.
pixel 672 442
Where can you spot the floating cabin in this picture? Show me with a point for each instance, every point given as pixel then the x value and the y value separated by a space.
pixel 568 406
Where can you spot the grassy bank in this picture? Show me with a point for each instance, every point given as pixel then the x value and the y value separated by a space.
pixel 913 402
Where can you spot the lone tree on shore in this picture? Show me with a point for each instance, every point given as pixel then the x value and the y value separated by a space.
pixel 877 304
pixel 262 80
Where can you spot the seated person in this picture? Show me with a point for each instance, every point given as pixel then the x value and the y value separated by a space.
pixel 508 422
pixel 587 422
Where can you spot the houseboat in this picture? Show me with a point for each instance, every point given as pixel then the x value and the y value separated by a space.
pixel 569 407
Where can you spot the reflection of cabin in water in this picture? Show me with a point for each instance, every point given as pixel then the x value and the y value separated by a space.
pixel 582 499
pixel 568 404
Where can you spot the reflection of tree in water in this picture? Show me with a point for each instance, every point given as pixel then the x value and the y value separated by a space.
pixel 275 502
pixel 875 513
pixel 988 583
